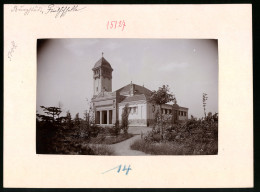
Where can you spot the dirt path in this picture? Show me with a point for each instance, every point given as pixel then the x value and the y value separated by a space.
pixel 123 148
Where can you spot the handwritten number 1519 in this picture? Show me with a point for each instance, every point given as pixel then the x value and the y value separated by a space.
pixel 116 24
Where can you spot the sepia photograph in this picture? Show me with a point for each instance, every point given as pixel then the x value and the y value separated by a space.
pixel 127 97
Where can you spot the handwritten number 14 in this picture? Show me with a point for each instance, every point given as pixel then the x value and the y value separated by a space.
pixel 127 169
pixel 124 169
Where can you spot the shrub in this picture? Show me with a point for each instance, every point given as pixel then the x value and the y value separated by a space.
pixel 115 130
pixel 102 150
pixel 159 148
pixel 195 136
pixel 125 122
pixel 175 148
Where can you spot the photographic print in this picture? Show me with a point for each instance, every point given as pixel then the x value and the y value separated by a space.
pixel 88 104
pixel 127 97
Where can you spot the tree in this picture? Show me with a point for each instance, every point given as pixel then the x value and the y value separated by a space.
pixel 47 130
pixel 77 120
pixel 125 122
pixel 204 99
pixel 89 114
pixel 160 97
pixel 60 105
pixel 86 117
pixel 68 120
pixel 52 112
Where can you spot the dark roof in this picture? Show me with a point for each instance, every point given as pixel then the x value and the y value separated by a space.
pixel 175 106
pixel 134 98
pixel 138 90
pixel 102 62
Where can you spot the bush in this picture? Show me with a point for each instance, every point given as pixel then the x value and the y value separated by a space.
pixel 175 148
pixel 195 136
pixel 115 130
pixel 102 150
pixel 125 122
pixel 94 130
pixel 159 148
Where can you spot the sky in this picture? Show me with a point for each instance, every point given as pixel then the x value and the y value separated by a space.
pixel 188 66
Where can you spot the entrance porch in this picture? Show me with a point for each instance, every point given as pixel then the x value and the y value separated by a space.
pixel 104 117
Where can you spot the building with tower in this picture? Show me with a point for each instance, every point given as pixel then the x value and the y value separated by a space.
pixel 108 105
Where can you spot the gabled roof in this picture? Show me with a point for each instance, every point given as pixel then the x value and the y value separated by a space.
pixel 102 63
pixel 141 97
pixel 175 106
pixel 138 90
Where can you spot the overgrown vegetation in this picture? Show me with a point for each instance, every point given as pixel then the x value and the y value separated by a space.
pixel 195 137
pixel 125 121
pixel 160 97
pixel 64 135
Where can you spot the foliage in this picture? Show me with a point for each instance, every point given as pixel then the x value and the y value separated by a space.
pixel 159 148
pixel 77 120
pixel 160 97
pixel 47 128
pixel 174 148
pixel 204 99
pixel 102 150
pixel 52 112
pixel 125 122
pixel 51 115
pixel 164 121
pixel 108 140
pixel 60 135
pixel 69 122
pixel 115 130
pixel 156 119
pixel 194 136
pixel 89 114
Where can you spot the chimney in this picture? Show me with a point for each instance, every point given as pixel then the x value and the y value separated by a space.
pixel 132 89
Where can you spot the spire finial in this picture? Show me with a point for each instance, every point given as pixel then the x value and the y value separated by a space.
pixel 102 54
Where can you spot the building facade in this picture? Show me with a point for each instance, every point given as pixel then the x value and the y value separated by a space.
pixel 108 105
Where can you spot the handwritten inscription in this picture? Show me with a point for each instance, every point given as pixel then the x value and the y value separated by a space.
pixel 57 10
pixel 118 168
pixel 11 51
pixel 116 24
pixel 26 10
pixel 62 11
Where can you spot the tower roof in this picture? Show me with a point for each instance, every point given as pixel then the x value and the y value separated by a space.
pixel 102 63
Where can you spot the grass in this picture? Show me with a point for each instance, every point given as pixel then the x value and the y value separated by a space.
pixel 102 150
pixel 174 148
pixel 102 139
